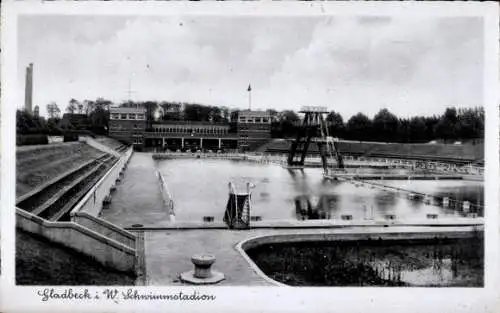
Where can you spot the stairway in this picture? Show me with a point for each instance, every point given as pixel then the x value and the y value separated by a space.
pixel 55 200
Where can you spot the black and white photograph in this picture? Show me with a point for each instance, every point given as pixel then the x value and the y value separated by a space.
pixel 195 150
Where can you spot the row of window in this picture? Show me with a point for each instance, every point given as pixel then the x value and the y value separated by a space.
pixel 254 120
pixel 253 137
pixel 255 127
pixel 138 141
pixel 127 116
pixel 121 127
pixel 217 131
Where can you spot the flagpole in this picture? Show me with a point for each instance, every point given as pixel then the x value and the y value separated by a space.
pixel 249 97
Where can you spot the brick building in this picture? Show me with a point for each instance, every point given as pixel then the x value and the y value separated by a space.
pixel 128 125
pixel 254 129
pixel 176 135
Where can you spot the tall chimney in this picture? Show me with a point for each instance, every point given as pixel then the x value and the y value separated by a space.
pixel 28 95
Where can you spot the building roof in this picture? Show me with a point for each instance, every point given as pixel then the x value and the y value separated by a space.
pixel 248 113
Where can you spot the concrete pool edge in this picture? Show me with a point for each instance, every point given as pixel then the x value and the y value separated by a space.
pixel 346 235
pixel 319 224
pixel 281 162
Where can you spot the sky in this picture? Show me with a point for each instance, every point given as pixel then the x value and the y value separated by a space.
pixel 350 64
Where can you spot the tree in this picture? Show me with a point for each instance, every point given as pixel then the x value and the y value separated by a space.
pixel 99 120
pixel 335 124
pixel 470 123
pixel 98 114
pixel 288 116
pixel 430 125
pixel 197 112
pixel 359 127
pixel 287 123
pixel 417 129
pixel 404 131
pixel 72 106
pixel 53 110
pixel 170 111
pixel 102 103
pixel 191 112
pixel 446 126
pixel 385 126
pixel 225 114
pixel 88 106
pixel 273 113
pixel 215 114
pixel 151 107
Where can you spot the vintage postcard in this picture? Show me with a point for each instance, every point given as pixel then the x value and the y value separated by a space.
pixel 250 156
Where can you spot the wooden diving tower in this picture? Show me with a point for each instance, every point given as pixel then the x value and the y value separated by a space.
pixel 314 130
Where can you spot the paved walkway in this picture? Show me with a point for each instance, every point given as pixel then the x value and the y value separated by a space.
pixel 168 252
pixel 140 186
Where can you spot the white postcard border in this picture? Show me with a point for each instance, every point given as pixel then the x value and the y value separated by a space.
pixel 473 300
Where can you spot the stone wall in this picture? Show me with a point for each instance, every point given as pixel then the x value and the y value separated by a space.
pixel 105 228
pixel 105 250
pixel 93 201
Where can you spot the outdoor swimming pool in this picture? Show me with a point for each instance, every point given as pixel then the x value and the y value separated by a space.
pixel 199 188
pixel 411 263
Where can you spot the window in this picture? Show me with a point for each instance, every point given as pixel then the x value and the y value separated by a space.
pixel 131 116
pixel 115 116
pixel 123 116
pixel 140 116
pixel 264 120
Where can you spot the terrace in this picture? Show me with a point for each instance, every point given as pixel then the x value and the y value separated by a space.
pixel 51 179
pixel 434 152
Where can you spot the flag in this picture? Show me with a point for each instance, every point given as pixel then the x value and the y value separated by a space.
pixel 249 88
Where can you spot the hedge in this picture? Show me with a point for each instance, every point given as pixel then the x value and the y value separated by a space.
pixel 25 140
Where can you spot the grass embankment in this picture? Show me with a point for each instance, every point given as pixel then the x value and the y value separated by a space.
pixel 39 262
pixel 37 166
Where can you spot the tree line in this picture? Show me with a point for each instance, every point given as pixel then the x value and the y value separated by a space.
pixel 453 124
pixel 94 116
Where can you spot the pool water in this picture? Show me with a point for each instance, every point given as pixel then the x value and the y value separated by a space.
pixel 199 188
pixel 420 263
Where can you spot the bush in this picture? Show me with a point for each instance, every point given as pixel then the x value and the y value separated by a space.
pixel 70 137
pixel 25 140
